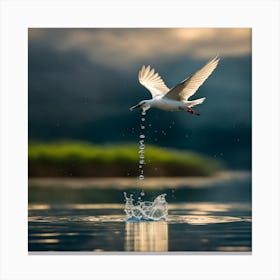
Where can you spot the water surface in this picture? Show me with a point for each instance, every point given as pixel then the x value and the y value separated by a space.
pixel 207 214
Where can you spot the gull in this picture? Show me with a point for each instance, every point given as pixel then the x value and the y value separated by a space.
pixel 176 98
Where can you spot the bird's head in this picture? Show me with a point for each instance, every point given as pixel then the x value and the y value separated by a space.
pixel 144 104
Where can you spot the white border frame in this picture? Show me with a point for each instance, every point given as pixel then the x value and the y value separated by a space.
pixel 17 16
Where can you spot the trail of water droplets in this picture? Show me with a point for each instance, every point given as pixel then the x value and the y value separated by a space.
pixel 144 210
pixel 142 146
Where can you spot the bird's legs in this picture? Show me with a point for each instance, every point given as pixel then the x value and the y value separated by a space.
pixel 189 110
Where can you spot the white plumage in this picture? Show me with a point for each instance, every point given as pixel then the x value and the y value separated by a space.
pixel 176 98
pixel 152 81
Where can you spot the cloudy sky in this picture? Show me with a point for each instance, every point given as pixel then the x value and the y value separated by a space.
pixel 82 82
pixel 122 48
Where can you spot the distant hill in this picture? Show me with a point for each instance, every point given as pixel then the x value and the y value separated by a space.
pixel 76 159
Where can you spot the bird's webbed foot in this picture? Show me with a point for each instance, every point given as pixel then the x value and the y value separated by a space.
pixel 190 110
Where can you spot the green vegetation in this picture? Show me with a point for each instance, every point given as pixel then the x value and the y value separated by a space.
pixel 85 159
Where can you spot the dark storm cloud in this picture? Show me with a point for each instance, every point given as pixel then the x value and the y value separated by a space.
pixel 122 48
pixel 74 88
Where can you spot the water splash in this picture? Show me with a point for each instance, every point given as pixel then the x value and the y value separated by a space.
pixel 145 210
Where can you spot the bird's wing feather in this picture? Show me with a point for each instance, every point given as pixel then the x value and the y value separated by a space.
pixel 152 81
pixel 189 86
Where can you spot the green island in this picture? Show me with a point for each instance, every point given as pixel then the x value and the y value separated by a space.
pixel 83 159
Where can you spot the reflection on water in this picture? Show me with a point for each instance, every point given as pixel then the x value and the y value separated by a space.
pixel 146 237
pixel 44 241
pixel 194 226
pixel 233 248
pixel 204 219
pixel 203 215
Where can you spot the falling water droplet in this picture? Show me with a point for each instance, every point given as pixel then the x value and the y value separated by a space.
pixel 142 146
pixel 142 193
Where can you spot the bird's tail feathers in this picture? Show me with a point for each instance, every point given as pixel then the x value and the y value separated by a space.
pixel 196 102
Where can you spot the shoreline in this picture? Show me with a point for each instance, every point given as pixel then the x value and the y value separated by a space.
pixel 148 183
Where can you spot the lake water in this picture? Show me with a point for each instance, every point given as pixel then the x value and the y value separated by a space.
pixel 210 217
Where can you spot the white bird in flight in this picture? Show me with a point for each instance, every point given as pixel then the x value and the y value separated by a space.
pixel 176 98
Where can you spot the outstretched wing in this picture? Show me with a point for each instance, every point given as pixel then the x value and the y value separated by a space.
pixel 152 81
pixel 188 87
